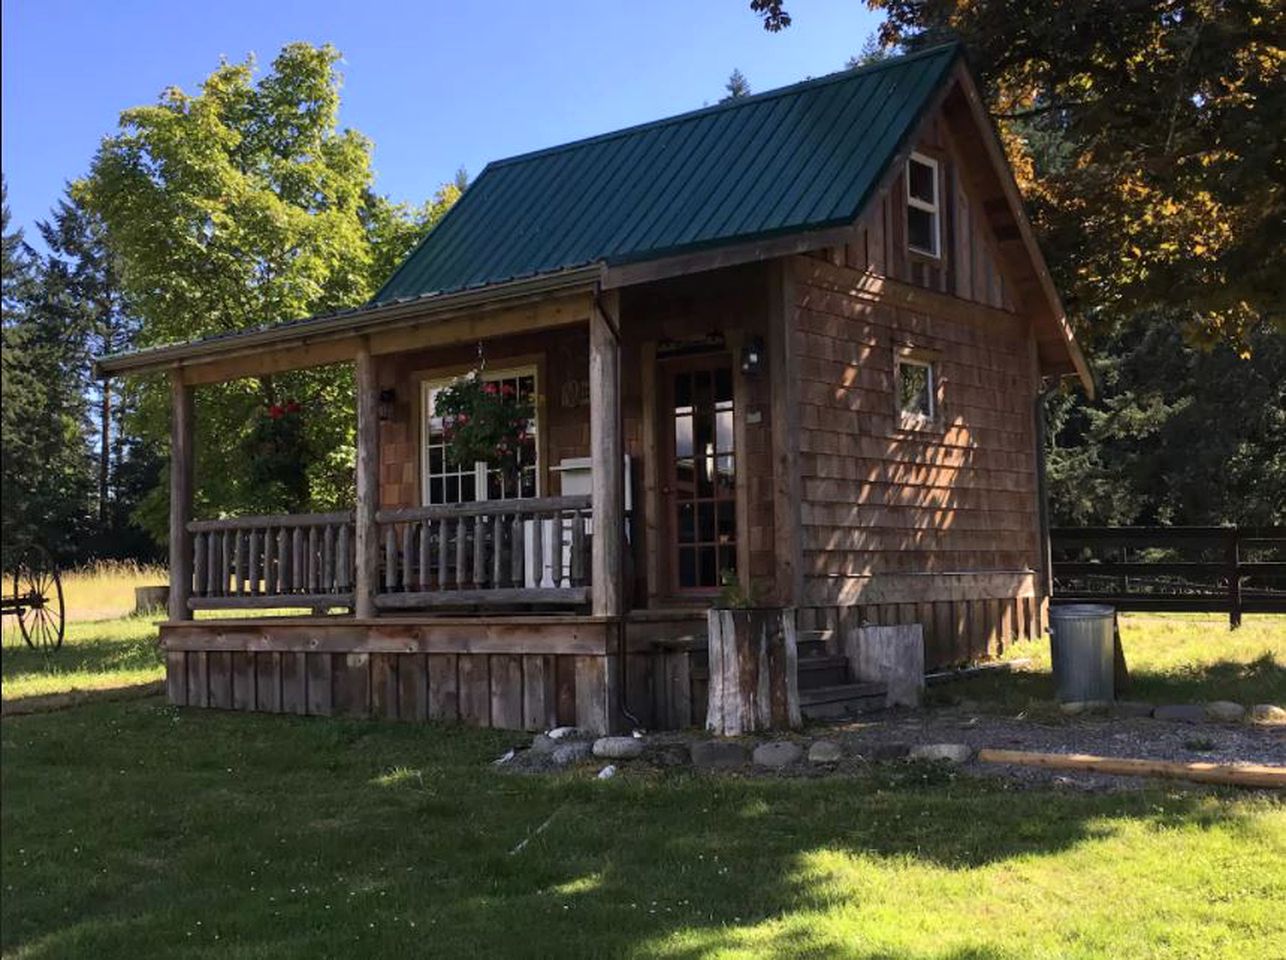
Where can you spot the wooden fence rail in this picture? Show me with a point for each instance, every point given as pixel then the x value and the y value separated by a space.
pixel 1232 569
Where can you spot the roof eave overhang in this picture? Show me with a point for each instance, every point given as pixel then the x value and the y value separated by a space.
pixel 357 321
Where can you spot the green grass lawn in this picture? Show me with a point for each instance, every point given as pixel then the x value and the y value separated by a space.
pixel 95 654
pixel 133 829
pixel 1172 658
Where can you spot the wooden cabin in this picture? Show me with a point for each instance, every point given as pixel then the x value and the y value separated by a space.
pixel 795 339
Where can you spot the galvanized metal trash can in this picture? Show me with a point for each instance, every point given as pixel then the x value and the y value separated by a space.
pixel 1081 645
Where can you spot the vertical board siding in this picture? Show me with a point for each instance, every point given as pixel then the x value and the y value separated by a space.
pixel 512 692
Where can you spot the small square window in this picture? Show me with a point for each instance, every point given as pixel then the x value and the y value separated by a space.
pixel 923 230
pixel 916 389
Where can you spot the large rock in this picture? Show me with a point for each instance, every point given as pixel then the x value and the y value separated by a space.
pixel 777 754
pixel 1134 708
pixel 825 751
pixel 1267 713
pixel 1074 708
pixel 1225 711
pixel 889 751
pixel 544 743
pixel 618 748
pixel 949 752
pixel 718 754
pixel 572 752
pixel 1181 713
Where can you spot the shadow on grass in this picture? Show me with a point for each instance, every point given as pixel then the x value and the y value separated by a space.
pixel 136 827
pixel 89 648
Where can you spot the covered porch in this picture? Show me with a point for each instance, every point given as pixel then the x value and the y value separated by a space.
pixel 580 600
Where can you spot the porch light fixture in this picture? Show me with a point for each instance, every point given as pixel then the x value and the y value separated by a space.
pixel 386 400
pixel 752 357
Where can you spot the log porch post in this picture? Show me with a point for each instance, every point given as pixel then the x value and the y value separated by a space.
pixel 366 534
pixel 180 497
pixel 608 476
pixel 784 374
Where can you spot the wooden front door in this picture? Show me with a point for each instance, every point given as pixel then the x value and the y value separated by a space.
pixel 699 482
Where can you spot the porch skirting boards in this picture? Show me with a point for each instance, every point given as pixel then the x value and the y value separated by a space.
pixel 517 673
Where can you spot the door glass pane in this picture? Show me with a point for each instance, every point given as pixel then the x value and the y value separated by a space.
pixel 703 481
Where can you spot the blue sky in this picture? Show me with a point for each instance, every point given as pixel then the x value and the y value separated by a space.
pixel 435 85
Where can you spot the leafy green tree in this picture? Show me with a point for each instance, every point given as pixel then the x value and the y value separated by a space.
pixel 45 467
pixel 1173 116
pixel 241 205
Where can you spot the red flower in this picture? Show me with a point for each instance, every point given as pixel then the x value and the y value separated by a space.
pixel 292 406
pixel 275 412
pixel 490 388
pixel 507 389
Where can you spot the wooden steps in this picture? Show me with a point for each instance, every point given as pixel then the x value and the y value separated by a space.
pixel 841 700
pixel 825 692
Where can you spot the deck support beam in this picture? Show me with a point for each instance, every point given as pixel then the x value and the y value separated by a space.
pixel 181 455
pixel 608 456
pixel 366 532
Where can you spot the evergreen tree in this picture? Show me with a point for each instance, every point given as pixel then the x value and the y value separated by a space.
pixel 45 466
pixel 80 263
pixel 737 87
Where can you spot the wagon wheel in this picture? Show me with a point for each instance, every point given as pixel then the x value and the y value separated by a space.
pixel 38 595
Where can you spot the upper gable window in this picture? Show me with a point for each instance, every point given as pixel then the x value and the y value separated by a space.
pixel 922 206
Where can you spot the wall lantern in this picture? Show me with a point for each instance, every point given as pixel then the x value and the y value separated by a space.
pixel 752 357
pixel 386 401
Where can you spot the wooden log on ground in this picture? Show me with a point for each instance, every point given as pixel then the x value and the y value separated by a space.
pixel 1239 775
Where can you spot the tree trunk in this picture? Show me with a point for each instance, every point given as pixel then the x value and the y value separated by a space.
pixel 753 671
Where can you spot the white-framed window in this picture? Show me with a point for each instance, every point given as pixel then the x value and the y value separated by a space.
pixel 923 216
pixel 916 390
pixel 444 480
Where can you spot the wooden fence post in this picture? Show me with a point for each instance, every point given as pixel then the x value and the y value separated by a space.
pixel 180 497
pixel 1234 580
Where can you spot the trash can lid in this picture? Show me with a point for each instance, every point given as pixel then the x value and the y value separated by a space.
pixel 1081 611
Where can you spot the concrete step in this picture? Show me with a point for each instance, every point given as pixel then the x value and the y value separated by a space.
pixel 822 670
pixel 841 700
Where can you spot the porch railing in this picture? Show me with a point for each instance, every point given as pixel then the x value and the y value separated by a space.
pixel 295 560
pixel 506 552
pixel 533 551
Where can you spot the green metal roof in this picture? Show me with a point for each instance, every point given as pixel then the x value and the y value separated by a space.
pixel 800 158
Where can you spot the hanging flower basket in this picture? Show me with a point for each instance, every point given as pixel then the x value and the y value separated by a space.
pixel 484 421
pixel 276 450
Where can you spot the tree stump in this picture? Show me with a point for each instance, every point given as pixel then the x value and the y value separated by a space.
pixel 753 671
